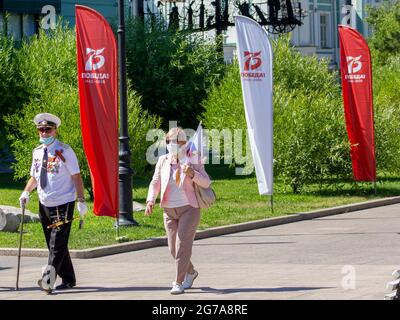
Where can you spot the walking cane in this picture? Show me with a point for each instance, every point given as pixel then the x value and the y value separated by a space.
pixel 20 244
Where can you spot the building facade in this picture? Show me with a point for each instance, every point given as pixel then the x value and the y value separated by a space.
pixel 317 35
pixel 23 18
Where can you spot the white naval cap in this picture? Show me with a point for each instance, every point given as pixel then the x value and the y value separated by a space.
pixel 47 120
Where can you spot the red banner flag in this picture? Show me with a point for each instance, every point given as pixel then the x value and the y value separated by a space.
pixel 97 79
pixel 356 72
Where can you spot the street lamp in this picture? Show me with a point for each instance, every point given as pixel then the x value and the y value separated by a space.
pixel 124 170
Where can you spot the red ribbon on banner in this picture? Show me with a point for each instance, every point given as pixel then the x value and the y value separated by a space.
pixel 97 79
pixel 356 73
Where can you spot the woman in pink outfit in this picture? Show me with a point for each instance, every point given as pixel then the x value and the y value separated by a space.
pixel 174 176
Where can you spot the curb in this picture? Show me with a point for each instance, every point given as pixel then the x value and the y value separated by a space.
pixel 202 234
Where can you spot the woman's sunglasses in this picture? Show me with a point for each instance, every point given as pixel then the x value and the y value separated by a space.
pixel 47 129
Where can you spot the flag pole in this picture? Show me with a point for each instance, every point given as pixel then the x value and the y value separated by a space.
pixel 272 203
pixel 117 227
pixel 119 238
pixel 375 187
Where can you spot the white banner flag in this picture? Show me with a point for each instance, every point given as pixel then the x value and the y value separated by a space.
pixel 255 61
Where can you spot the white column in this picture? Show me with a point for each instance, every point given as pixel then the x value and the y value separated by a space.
pixel 315 24
pixel 335 32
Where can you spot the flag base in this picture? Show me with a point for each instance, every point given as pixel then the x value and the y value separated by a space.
pixel 122 239
pixel 124 221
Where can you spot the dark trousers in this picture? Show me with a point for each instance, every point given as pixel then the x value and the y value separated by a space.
pixel 57 239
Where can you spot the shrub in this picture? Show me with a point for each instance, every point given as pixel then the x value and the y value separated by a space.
pixel 48 69
pixel 310 141
pixel 386 84
pixel 139 123
pixel 12 91
pixel 310 138
pixel 172 71
pixel 62 100
pixel 385 22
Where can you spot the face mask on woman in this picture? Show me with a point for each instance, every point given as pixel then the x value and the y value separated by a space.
pixel 176 149
pixel 173 148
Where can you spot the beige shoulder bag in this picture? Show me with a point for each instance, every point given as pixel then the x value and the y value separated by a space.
pixel 205 196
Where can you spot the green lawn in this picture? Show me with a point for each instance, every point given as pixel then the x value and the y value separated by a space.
pixel 237 201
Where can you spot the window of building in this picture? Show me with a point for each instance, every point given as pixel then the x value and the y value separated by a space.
pixel 14 26
pixel 18 26
pixel 2 24
pixel 324 31
pixel 29 25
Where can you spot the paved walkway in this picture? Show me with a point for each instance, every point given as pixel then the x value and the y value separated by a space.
pixel 346 256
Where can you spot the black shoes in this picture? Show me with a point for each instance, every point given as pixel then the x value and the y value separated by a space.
pixel 65 286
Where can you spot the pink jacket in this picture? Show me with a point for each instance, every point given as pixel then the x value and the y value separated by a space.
pixel 161 177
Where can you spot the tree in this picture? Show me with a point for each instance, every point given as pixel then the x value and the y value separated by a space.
pixel 171 70
pixel 47 64
pixel 385 21
pixel 310 142
pixel 12 91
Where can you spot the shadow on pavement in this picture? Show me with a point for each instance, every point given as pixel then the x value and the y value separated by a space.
pixel 194 290
pixel 302 234
pixel 357 218
pixel 5 268
pixel 8 289
pixel 109 289
pixel 238 290
pixel 237 244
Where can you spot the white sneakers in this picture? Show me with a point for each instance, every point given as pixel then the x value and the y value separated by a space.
pixel 177 288
pixel 189 278
pixel 187 283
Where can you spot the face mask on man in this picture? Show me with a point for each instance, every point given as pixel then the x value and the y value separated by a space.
pixel 47 140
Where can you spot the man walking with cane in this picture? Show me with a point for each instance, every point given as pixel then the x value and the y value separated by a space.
pixel 56 175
